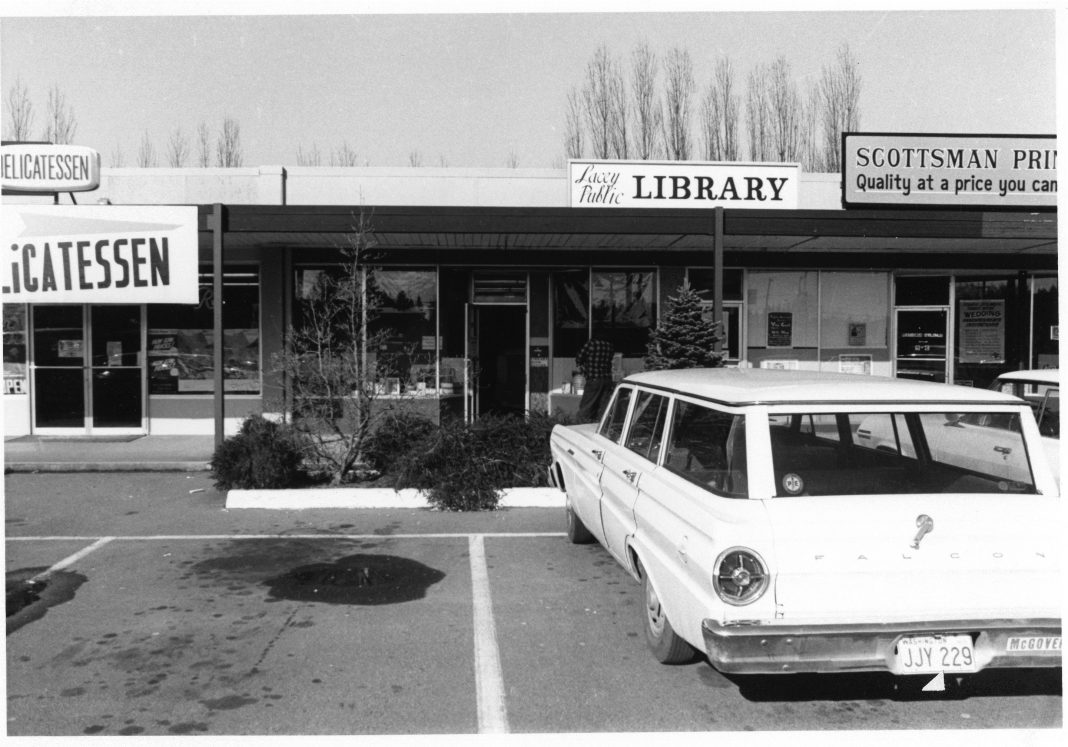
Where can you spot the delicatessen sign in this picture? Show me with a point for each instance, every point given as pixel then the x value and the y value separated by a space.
pixel 683 184
pixel 999 171
pixel 43 167
pixel 98 254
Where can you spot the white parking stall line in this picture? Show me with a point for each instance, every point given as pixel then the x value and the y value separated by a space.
pixel 489 682
pixel 169 537
pixel 71 559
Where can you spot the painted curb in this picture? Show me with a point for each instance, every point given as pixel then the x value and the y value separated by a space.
pixel 143 466
pixel 297 499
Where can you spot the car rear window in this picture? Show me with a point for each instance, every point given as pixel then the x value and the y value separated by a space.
pixel 894 452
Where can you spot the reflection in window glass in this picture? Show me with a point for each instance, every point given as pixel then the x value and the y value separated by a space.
pixel 181 357
pixel 707 447
pixel 571 301
pixel 612 428
pixel 854 308
pixel 647 428
pixel 623 308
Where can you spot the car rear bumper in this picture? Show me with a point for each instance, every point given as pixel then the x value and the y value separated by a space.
pixel 773 649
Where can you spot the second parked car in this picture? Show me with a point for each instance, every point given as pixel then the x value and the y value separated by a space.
pixel 782 521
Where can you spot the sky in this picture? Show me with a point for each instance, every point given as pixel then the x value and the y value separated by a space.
pixel 481 89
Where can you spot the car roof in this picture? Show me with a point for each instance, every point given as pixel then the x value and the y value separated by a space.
pixel 746 386
pixel 1035 375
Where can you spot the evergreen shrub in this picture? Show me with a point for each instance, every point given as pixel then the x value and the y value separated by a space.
pixel 263 455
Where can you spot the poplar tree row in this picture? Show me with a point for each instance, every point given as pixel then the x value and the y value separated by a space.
pixel 649 107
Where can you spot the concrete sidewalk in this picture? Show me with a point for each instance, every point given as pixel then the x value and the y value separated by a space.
pixel 108 454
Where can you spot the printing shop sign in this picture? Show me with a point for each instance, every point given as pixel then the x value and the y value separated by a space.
pixel 98 254
pixel 912 170
pixel 683 184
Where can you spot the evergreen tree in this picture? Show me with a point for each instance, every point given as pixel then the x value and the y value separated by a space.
pixel 682 338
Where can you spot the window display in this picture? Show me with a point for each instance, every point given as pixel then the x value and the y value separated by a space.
pixel 181 339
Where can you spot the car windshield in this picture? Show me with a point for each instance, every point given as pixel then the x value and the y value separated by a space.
pixel 897 452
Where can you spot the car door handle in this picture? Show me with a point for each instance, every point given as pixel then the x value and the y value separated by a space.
pixel 1003 450
pixel 597 453
pixel 571 452
pixel 630 474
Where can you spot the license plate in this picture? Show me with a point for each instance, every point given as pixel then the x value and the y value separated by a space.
pixel 931 654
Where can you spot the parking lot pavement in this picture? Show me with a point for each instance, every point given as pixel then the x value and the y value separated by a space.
pixel 172 617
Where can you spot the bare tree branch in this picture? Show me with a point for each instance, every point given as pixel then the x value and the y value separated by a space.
pixel 203 145
pixel 597 101
pixel 228 147
pixel 573 125
pixel 648 117
pixel 19 112
pixel 60 124
pixel 840 104
pixel 177 149
pixel 146 154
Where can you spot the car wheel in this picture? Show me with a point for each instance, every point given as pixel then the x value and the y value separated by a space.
pixel 665 643
pixel 576 530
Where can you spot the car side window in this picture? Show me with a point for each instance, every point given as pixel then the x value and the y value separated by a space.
pixel 647 425
pixel 1049 414
pixel 707 447
pixel 612 427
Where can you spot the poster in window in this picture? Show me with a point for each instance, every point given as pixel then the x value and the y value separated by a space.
pixel 182 361
pixel 780 329
pixel 858 334
pixel 921 334
pixel 982 331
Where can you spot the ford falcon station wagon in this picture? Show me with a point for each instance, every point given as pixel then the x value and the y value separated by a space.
pixel 783 521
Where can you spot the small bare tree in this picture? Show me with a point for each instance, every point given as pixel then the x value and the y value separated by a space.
pixel 573 125
pixel 203 145
pixel 177 149
pixel 146 153
pixel 330 362
pixel 678 95
pixel 840 104
pixel 310 157
pixel 648 117
pixel 415 159
pixel 811 145
pixel 118 158
pixel 19 112
pixel 512 162
pixel 620 119
pixel 344 155
pixel 60 124
pixel 228 147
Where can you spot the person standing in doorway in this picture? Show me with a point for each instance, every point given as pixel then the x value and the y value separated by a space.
pixel 595 362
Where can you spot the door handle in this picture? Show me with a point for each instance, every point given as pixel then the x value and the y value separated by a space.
pixel 1003 450
pixel 630 474
pixel 597 453
pixel 571 452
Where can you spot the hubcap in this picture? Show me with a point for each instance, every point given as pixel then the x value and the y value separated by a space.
pixel 653 614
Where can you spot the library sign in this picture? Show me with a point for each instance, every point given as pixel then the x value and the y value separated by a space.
pixel 98 254
pixel 683 184
pixel 997 171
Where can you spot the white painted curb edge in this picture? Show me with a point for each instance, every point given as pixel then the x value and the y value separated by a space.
pixel 376 498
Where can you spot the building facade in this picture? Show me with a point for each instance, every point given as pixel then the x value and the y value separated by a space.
pixel 487 282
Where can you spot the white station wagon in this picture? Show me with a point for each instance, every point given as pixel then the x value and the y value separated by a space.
pixel 769 532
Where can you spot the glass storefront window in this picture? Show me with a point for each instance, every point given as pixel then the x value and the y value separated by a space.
pixel 702 280
pixel 623 308
pixel 921 291
pixel 181 356
pixel 783 310
pixel 985 317
pixel 15 348
pixel 571 302
pixel 401 321
pixel 1045 330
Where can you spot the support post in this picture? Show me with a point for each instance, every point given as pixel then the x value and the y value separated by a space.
pixel 217 325
pixel 717 276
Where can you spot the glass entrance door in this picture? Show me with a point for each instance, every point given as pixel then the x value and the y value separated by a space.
pixel 921 344
pixel 87 369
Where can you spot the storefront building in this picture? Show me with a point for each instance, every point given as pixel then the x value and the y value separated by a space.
pixel 489 281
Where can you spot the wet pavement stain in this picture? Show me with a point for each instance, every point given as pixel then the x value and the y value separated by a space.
pixel 28 601
pixel 357 579
pixel 228 703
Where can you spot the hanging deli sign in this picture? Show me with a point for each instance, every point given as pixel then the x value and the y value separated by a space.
pixel 683 184
pixel 43 167
pixel 98 254
pixel 998 171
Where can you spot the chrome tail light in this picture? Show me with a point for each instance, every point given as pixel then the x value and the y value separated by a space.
pixel 741 577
